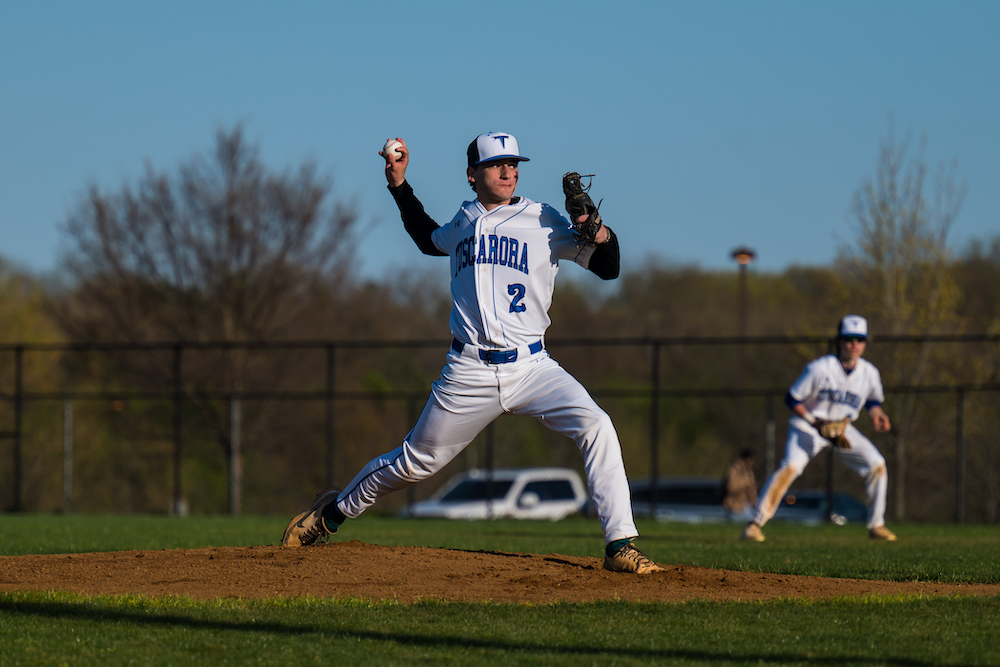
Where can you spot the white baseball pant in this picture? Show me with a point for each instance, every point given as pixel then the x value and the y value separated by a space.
pixel 468 396
pixel 803 444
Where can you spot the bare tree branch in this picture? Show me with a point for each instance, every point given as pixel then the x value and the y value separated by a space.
pixel 224 250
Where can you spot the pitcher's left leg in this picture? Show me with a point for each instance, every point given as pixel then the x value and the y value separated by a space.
pixel 558 400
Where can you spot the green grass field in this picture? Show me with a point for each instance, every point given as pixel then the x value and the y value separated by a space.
pixel 61 628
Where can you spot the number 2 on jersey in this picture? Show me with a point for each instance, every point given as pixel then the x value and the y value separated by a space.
pixel 516 290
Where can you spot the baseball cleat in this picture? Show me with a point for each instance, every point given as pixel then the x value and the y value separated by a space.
pixel 309 526
pixel 630 559
pixel 881 533
pixel 753 533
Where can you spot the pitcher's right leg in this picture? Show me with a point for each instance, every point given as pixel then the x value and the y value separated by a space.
pixel 462 403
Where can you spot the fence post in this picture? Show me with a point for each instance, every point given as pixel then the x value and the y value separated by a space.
pixel 654 430
pixel 67 455
pixel 18 505
pixel 411 418
pixel 899 451
pixel 829 484
pixel 960 456
pixel 769 436
pixel 235 457
pixel 178 505
pixel 331 351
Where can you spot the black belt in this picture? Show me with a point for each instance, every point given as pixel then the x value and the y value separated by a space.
pixel 497 356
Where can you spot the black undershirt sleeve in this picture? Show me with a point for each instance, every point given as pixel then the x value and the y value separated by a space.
pixel 416 222
pixel 605 263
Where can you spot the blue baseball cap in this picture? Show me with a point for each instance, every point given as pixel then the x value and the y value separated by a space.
pixel 494 146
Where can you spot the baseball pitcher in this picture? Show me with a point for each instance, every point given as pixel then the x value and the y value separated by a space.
pixel 504 251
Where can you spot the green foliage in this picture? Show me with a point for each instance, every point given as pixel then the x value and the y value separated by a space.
pixel 978 277
pixel 25 319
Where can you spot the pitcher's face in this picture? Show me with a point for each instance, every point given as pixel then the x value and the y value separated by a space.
pixel 495 181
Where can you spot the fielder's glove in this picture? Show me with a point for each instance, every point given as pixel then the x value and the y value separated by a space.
pixel 834 431
pixel 578 203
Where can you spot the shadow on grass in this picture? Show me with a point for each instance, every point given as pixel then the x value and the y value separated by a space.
pixel 63 611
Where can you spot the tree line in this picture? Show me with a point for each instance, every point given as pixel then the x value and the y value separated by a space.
pixel 226 249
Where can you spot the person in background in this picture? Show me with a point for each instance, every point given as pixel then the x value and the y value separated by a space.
pixel 740 497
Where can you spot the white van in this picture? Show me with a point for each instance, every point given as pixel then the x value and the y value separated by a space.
pixel 512 493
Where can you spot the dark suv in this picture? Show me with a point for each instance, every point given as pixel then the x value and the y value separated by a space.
pixel 699 500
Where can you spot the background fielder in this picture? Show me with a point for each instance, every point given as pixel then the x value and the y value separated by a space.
pixel 832 388
pixel 505 253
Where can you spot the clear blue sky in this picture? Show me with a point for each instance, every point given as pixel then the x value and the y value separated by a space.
pixel 709 124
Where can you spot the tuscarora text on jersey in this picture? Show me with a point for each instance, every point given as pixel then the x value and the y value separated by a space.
pixel 491 249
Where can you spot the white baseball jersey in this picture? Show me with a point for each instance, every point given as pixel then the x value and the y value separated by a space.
pixel 829 392
pixel 503 269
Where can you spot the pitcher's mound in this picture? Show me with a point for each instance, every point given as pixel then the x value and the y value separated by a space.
pixel 407 574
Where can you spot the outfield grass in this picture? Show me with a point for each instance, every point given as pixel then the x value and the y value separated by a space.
pixel 61 628
pixel 67 629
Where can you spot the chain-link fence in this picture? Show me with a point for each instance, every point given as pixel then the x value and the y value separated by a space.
pixel 259 427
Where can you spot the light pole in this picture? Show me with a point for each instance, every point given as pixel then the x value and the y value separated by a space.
pixel 743 257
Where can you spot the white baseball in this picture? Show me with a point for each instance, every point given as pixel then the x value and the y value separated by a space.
pixel 391 149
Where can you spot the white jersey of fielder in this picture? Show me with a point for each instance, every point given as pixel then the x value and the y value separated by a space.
pixel 503 269
pixel 829 392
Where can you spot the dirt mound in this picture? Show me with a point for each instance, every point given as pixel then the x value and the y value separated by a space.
pixel 354 569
